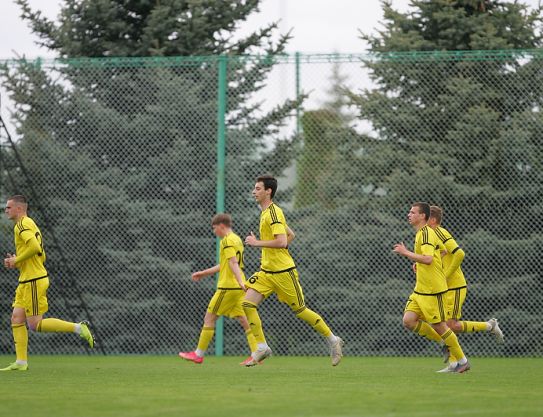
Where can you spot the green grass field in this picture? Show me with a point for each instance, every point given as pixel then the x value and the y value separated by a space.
pixel 159 386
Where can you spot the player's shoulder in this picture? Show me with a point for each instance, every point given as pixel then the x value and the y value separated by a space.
pixel 231 239
pixel 426 233
pixel 443 234
pixel 25 223
pixel 275 212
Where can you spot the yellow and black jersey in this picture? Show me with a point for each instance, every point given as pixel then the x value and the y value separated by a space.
pixel 29 250
pixel 456 279
pixel 430 278
pixel 273 223
pixel 231 246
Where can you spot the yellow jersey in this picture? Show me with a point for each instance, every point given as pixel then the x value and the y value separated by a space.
pixel 230 246
pixel 457 279
pixel 29 245
pixel 273 223
pixel 430 278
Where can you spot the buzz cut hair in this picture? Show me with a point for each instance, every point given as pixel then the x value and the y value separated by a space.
pixel 423 208
pixel 19 199
pixel 436 212
pixel 269 182
pixel 222 218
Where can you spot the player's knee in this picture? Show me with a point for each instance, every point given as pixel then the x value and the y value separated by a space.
pixel 454 325
pixel 32 325
pixel 409 323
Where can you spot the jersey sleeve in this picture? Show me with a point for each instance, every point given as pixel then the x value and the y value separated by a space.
pixel 229 250
pixel 278 223
pixel 427 243
pixel 448 241
pixel 24 229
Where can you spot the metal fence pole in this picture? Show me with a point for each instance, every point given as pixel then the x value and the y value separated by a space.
pixel 221 151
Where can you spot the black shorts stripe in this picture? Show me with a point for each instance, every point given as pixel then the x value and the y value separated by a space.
pixel 219 301
pixel 456 304
pixel 441 308
pixel 296 285
pixel 278 272
pixel 34 292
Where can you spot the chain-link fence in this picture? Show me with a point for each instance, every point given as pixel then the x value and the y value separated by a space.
pixel 124 158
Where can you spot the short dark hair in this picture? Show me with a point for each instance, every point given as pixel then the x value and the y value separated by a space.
pixel 436 212
pixel 18 198
pixel 269 182
pixel 222 218
pixel 423 208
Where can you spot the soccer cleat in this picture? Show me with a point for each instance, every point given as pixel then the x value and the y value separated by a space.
pixel 495 330
pixel 191 356
pixel 445 353
pixel 15 367
pixel 336 352
pixel 447 369
pixel 258 356
pixel 86 333
pixel 462 368
pixel 249 360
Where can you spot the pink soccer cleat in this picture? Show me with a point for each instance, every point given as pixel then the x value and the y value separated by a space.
pixel 191 356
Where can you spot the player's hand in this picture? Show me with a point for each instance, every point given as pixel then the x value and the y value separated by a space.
pixel 400 248
pixel 414 268
pixel 251 239
pixel 9 262
pixel 197 276
pixel 243 287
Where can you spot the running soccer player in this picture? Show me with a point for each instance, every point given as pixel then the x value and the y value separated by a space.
pixel 424 312
pixel 456 283
pixel 278 274
pixel 30 302
pixel 230 289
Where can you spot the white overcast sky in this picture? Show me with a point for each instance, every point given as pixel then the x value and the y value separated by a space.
pixel 319 26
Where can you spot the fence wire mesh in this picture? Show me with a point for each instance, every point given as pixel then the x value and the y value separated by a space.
pixel 122 156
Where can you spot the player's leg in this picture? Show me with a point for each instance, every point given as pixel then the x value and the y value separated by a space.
pixel 20 339
pixel 471 326
pixel 206 335
pixel 290 292
pixel 412 320
pixel 37 323
pixel 253 298
pixel 251 341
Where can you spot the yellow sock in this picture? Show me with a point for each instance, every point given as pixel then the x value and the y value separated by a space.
pixel 314 320
pixel 251 341
pixel 451 341
pixel 20 337
pixel 205 338
pixel 474 326
pixel 254 321
pixel 55 326
pixel 425 330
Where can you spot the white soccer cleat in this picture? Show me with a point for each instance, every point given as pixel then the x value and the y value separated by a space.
pixel 495 330
pixel 336 352
pixel 258 356
pixel 447 369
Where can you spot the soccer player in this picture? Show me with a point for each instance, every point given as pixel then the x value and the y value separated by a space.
pixel 456 283
pixel 424 312
pixel 278 274
pixel 30 302
pixel 230 288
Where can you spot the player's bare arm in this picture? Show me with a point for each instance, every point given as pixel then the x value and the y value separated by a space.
pixel 234 266
pixel 197 276
pixel 401 250
pixel 279 242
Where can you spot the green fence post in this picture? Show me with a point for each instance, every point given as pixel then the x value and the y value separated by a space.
pixel 221 151
pixel 298 81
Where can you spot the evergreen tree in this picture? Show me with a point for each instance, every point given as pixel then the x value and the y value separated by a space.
pixel 147 131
